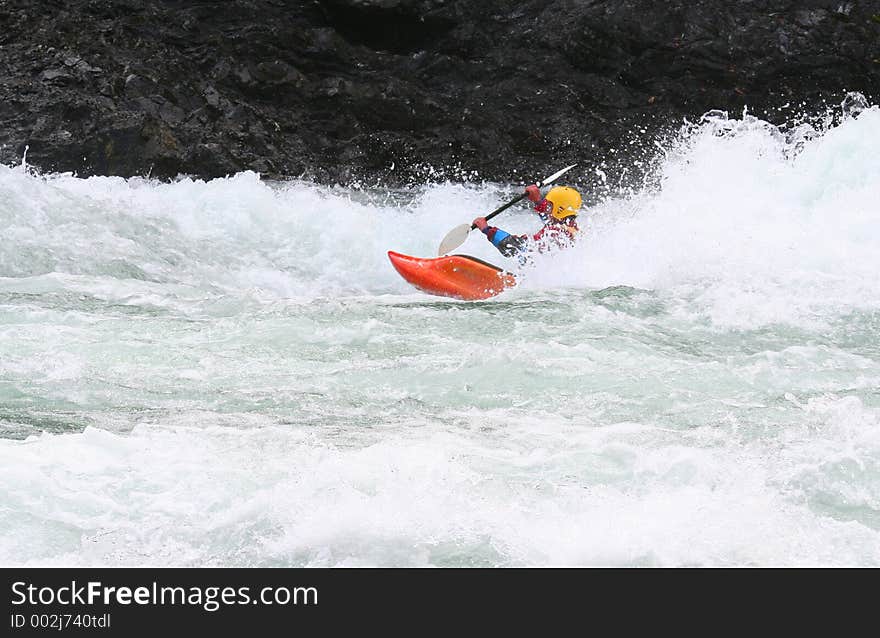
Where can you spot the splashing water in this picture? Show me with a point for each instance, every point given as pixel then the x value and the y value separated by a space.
pixel 230 372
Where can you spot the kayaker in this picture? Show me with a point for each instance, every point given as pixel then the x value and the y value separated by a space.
pixel 558 210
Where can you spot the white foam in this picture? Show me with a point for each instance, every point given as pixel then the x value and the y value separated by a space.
pixel 743 224
pixel 233 374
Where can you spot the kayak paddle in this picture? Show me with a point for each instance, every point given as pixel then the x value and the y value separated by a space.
pixel 455 237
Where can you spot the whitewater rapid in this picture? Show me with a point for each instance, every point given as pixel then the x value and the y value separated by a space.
pixel 229 372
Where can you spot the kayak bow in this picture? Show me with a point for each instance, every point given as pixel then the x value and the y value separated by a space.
pixel 458 276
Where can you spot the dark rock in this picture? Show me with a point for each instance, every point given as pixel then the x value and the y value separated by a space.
pixel 212 97
pixel 56 74
pixel 387 90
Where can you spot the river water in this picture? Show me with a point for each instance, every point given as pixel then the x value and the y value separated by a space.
pixel 230 372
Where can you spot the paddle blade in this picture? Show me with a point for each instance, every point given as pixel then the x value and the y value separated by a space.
pixel 454 238
pixel 555 176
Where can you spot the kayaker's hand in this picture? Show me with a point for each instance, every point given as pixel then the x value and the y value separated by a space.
pixel 480 223
pixel 533 193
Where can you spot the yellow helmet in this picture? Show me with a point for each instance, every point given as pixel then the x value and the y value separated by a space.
pixel 566 201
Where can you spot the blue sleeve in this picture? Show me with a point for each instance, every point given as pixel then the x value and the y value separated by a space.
pixel 507 244
pixel 498 236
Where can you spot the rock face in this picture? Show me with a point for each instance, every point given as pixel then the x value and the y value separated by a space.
pixel 383 90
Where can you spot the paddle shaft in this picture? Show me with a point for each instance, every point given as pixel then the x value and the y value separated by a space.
pixel 541 184
pixel 457 236
pixel 502 208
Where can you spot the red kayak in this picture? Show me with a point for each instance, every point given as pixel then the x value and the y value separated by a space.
pixel 458 276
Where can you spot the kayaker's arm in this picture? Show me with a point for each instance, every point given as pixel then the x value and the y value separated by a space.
pixel 507 244
pixel 533 193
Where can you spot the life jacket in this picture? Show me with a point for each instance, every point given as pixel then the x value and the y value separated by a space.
pixel 556 233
